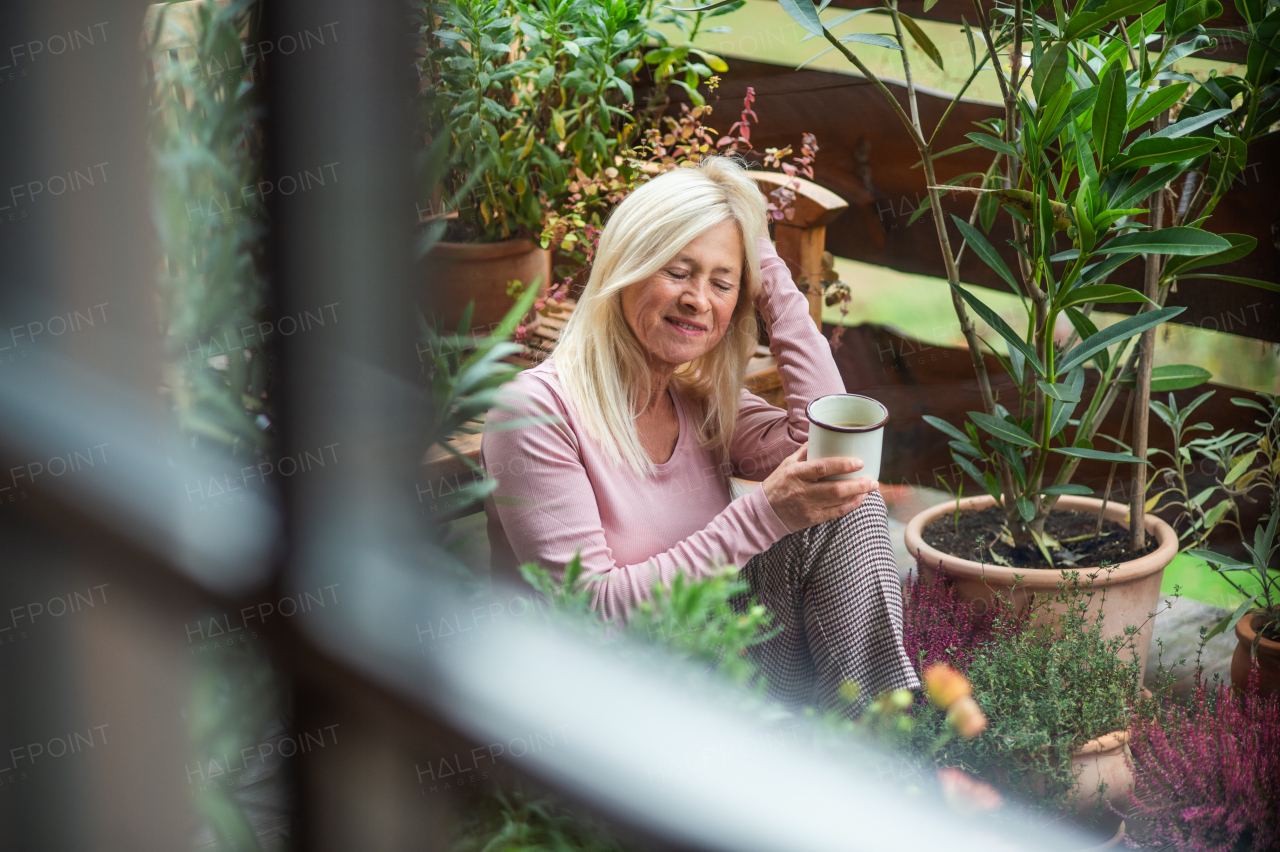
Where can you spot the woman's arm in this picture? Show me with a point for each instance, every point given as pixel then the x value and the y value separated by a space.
pixel 546 504
pixel 765 435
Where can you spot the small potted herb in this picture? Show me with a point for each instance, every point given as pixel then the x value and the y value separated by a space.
pixel 1058 696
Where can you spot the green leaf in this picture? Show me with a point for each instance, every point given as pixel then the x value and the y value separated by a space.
pixel 1050 73
pixel 803 12
pixel 1160 149
pixel 1238 469
pixel 1215 558
pixel 871 39
pixel 985 250
pixel 1083 22
pixel 1002 328
pixel 967 467
pixel 1109 113
pixel 1187 125
pixel 717 64
pixel 1122 330
pixel 1098 455
pixel 1193 14
pixel 992 143
pixel 1177 241
pixel 945 427
pixel 1158 101
pixel 1229 622
pixel 1252 282
pixel 922 40
pixel 1172 377
pixel 1264 50
pixel 1026 508
pixel 705 8
pixel 1103 293
pixel 1002 429
pixel 1144 186
pixel 1060 392
pixel 1067 490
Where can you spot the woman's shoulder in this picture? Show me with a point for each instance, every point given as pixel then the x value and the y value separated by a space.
pixel 536 390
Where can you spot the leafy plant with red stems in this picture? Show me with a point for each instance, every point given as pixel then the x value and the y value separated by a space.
pixel 1208 774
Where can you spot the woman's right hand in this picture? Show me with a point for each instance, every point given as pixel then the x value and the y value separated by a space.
pixel 800 500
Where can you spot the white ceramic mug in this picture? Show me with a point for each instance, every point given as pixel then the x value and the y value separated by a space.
pixel 847 425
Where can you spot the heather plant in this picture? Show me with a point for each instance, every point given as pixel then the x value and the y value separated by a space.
pixel 938 626
pixel 1207 775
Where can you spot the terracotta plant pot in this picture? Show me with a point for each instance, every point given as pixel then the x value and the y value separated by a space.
pixel 1132 588
pixel 454 274
pixel 1104 761
pixel 1268 657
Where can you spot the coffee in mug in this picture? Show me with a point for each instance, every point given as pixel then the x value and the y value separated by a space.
pixel 848 425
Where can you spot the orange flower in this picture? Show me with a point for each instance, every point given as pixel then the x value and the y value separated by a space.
pixel 966 717
pixel 945 685
pixel 967 794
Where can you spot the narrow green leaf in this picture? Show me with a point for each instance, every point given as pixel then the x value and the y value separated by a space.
pixel 1158 101
pixel 1002 429
pixel 1122 330
pixel 922 40
pixel 1187 125
pixel 1159 149
pixel 803 12
pixel 943 426
pixel 1172 377
pixel 1002 328
pixel 1048 75
pixel 1238 469
pixel 1083 22
pixel 1177 241
pixel 1215 558
pixel 1109 113
pixel 1103 293
pixel 1252 282
pixel 1229 622
pixel 1060 392
pixel 985 251
pixel 1099 455
pixel 992 143
pixel 871 39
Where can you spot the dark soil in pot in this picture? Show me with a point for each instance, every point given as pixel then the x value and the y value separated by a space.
pixel 977 539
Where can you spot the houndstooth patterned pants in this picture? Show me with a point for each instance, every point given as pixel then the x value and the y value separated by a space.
pixel 834 591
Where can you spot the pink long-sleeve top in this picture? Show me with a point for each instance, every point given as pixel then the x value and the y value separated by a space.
pixel 559 493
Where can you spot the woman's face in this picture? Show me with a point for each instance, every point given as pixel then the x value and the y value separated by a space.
pixel 683 310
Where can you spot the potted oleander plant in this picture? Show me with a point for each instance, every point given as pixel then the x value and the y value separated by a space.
pixel 1104 154
pixel 522 98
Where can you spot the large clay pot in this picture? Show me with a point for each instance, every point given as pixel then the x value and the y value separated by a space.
pixel 457 273
pixel 1132 588
pixel 1268 657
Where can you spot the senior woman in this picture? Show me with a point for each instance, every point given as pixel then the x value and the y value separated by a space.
pixel 637 423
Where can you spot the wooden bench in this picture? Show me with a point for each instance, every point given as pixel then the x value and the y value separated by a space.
pixel 800 242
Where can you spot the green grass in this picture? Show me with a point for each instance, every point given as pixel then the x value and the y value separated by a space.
pixel 920 307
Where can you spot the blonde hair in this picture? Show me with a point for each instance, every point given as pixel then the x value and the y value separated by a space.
pixel 602 365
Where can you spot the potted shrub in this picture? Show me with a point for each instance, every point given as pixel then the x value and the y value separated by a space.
pixel 524 96
pixel 1075 162
pixel 1247 463
pixel 1058 696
